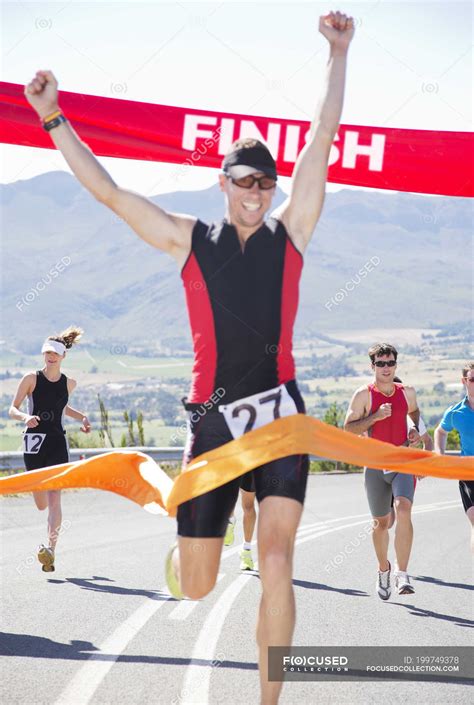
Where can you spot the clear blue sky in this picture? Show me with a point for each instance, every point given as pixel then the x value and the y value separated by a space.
pixel 409 65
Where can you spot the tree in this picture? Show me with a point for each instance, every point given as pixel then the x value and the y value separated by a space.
pixel 105 431
pixel 453 441
pixel 335 416
pixel 141 432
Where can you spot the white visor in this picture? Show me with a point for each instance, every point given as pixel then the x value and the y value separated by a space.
pixel 53 346
pixel 240 170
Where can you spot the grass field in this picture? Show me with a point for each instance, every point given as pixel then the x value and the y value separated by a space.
pixel 127 379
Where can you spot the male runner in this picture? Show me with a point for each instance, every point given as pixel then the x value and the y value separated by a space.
pixel 248 495
pixel 460 416
pixel 242 316
pixel 380 411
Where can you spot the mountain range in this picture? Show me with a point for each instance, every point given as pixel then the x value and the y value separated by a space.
pixel 67 259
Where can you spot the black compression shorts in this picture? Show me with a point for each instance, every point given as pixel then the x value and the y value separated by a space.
pixel 466 488
pixel 48 449
pixel 247 482
pixel 207 516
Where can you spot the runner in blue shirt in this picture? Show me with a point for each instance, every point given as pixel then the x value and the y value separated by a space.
pixel 460 416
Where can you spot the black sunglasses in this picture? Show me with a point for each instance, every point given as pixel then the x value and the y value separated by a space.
pixel 385 363
pixel 265 183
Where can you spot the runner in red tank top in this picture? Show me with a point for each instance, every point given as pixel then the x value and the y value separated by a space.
pixel 380 411
pixel 392 429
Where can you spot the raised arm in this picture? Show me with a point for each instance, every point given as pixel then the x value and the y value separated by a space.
pixel 300 212
pixel 168 232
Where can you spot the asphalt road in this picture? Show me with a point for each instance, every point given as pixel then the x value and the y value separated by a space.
pixel 102 629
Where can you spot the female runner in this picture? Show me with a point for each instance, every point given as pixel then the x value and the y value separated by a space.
pixel 44 439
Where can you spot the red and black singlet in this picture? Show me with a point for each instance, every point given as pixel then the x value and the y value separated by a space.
pixel 392 429
pixel 242 307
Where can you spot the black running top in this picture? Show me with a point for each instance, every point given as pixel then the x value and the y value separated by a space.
pixel 242 307
pixel 48 401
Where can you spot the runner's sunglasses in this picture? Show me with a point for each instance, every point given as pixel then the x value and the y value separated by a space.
pixel 385 363
pixel 265 183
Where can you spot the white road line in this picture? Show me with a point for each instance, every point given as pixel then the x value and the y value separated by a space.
pixel 424 509
pixel 434 509
pixel 185 607
pixel 88 678
pixel 308 529
pixel 197 678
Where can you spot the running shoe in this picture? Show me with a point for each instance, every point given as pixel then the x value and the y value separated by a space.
pixel 246 560
pixel 229 534
pixel 46 558
pixel 403 584
pixel 382 585
pixel 171 580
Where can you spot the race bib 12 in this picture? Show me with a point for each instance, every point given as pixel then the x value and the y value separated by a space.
pixel 32 442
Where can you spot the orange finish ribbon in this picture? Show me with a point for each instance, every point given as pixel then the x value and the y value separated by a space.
pixel 136 476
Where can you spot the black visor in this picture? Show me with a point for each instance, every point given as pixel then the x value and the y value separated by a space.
pixel 259 158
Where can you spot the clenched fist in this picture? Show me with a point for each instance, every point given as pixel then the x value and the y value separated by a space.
pixel 86 427
pixel 32 421
pixel 384 411
pixel 337 28
pixel 42 93
pixel 414 437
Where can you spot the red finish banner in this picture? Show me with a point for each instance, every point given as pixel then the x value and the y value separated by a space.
pixel 421 161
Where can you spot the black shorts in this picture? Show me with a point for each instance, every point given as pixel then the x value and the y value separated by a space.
pixel 247 482
pixel 52 450
pixel 206 516
pixel 466 488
